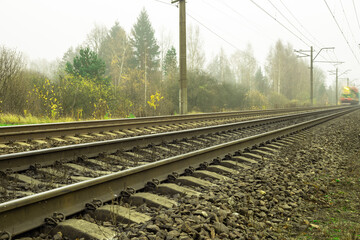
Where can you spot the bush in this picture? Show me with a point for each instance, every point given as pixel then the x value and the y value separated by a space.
pixel 277 100
pixel 256 100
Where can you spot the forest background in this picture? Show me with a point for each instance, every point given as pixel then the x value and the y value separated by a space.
pixel 116 74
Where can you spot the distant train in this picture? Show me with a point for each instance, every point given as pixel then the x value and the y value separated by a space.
pixel 349 95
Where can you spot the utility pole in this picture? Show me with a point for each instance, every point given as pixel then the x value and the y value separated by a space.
pixel 336 88
pixel 145 77
pixel 182 61
pixel 311 76
pixel 312 60
pixel 337 82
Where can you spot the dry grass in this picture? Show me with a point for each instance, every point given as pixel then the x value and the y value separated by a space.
pixel 11 119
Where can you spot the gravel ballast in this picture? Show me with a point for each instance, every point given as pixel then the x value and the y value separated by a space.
pixel 281 198
pixel 309 190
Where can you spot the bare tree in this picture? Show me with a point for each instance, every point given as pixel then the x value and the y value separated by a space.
pixel 219 67
pixel 165 44
pixel 195 51
pixel 11 64
pixel 96 37
pixel 289 75
pixel 115 50
pixel 244 66
pixel 45 67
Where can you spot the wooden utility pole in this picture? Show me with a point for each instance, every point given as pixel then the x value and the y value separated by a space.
pixel 336 87
pixel 311 76
pixel 182 40
pixel 145 77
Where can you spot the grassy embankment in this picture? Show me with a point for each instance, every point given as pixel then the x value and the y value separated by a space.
pixel 335 213
pixel 339 219
pixel 11 119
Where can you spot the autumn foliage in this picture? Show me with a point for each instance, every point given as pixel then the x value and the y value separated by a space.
pixel 120 74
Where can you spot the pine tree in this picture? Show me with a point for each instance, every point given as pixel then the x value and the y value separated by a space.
pixel 144 46
pixel 88 65
pixel 115 50
pixel 170 63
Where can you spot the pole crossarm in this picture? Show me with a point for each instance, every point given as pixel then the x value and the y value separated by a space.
pixel 345 72
pixel 321 50
pixel 337 75
pixel 309 53
pixel 303 52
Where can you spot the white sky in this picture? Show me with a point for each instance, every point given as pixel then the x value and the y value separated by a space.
pixel 47 28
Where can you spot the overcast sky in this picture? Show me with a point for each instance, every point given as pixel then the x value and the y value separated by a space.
pixel 47 28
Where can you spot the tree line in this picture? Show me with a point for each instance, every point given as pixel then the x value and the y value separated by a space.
pixel 120 74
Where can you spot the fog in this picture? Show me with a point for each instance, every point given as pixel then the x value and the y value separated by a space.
pixel 248 43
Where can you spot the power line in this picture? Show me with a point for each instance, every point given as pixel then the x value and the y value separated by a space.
pixel 341 31
pixel 219 29
pixel 280 23
pixel 203 25
pixel 289 22
pixel 311 42
pixel 261 31
pixel 300 23
pixel 317 43
pixel 210 30
pixel 347 21
pixel 356 14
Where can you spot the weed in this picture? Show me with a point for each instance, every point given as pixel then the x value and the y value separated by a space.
pixel 13 119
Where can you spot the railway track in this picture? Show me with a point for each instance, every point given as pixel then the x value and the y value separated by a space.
pixel 71 199
pixel 211 135
pixel 39 136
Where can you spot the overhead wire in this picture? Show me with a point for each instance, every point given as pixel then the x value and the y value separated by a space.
pixel 231 44
pixel 284 25
pixel 297 29
pixel 257 5
pixel 341 31
pixel 261 31
pixel 347 21
pixel 203 25
pixel 210 30
pixel 316 42
pixel 357 18
pixel 218 29
pixel 289 21
pixel 287 9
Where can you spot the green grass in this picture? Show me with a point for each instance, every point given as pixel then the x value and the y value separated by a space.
pixel 340 219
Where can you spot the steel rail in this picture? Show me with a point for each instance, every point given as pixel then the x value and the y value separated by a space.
pixel 36 131
pixel 45 157
pixel 21 215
